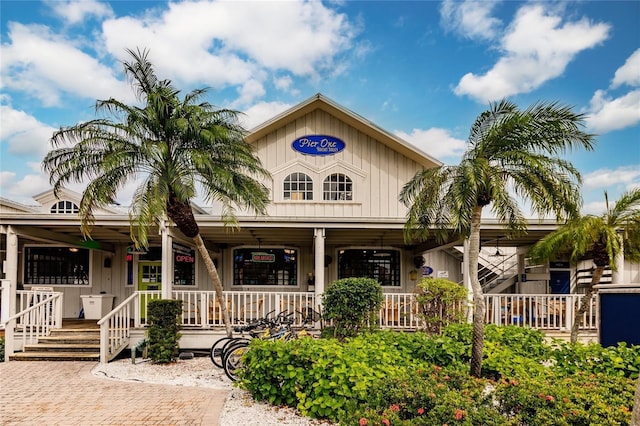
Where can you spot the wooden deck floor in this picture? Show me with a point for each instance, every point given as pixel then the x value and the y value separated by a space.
pixel 71 323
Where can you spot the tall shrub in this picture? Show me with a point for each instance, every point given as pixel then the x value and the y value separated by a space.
pixel 440 303
pixel 352 304
pixel 163 331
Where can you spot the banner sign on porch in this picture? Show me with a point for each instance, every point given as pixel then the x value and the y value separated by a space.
pixel 263 257
pixel 318 145
pixel 183 254
pixel 426 271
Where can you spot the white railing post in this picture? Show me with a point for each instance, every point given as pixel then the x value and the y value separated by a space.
pixel 569 313
pixel 9 338
pixel 7 300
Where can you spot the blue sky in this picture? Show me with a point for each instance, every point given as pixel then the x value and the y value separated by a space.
pixel 423 70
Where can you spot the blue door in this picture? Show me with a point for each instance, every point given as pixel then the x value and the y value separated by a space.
pixel 560 282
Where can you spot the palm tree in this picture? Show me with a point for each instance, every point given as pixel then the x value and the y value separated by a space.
pixel 176 146
pixel 510 153
pixel 601 238
pixel 635 415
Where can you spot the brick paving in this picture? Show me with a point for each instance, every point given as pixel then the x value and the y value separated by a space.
pixel 66 393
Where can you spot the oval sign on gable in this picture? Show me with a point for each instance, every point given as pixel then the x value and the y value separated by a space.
pixel 318 145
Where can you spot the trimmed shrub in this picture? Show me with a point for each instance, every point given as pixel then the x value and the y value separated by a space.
pixel 352 304
pixel 163 332
pixel 440 303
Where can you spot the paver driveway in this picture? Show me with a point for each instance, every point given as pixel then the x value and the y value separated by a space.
pixel 66 393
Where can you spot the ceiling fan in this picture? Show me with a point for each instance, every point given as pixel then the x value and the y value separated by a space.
pixel 498 253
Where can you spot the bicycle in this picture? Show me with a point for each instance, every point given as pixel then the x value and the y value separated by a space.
pixel 234 350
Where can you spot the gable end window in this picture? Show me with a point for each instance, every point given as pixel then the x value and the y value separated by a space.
pixel 337 187
pixel 298 186
pixel 64 207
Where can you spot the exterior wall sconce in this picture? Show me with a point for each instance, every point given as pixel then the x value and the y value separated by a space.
pixel 311 281
pixel 413 275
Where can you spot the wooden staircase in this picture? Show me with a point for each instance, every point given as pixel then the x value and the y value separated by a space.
pixel 63 344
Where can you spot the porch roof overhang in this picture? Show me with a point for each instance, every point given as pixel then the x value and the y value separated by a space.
pixel 112 230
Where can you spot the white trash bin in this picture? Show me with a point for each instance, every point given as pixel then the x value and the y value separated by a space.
pixel 96 306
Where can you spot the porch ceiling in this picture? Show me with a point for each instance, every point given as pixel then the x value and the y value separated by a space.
pixel 278 233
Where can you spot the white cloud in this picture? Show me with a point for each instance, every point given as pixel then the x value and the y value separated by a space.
pixel 261 112
pixel 229 43
pixel 537 47
pixel 23 190
pixel 629 73
pixel 625 177
pixel 436 142
pixel 470 18
pixel 23 133
pixel 75 12
pixel 283 83
pixel 608 114
pixel 249 91
pixel 45 65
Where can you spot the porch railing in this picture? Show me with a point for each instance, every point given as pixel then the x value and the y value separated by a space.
pixel 399 310
pixel 202 309
pixel 115 327
pixel 541 311
pixel 33 322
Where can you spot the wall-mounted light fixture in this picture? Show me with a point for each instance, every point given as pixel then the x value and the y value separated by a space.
pixel 311 281
pixel 413 275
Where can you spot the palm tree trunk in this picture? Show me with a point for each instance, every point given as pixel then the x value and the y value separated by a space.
pixel 585 302
pixel 635 415
pixel 217 284
pixel 477 342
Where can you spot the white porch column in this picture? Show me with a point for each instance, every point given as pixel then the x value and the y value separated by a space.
pixel 466 279
pixel 319 237
pixel 10 269
pixel 167 261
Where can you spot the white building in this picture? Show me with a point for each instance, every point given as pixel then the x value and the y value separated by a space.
pixel 334 213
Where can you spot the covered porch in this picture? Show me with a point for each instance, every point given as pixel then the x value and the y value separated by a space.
pixel 201 317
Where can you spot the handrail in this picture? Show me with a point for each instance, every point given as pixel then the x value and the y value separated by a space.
pixel 115 328
pixel 36 321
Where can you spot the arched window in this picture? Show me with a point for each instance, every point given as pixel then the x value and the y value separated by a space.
pixel 64 207
pixel 298 186
pixel 337 187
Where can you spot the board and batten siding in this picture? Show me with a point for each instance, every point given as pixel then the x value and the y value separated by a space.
pixel 378 172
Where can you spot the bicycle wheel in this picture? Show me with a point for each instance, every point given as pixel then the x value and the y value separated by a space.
pixel 216 351
pixel 227 346
pixel 233 360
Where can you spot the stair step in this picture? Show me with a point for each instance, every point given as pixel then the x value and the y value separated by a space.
pixel 53 347
pixel 69 340
pixel 75 332
pixel 55 356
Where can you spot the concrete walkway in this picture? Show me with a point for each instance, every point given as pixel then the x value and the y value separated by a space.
pixel 66 393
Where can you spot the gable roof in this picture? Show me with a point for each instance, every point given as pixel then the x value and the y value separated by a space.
pixel 319 101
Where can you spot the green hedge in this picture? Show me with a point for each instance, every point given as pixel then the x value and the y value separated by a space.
pixel 164 330
pixel 412 379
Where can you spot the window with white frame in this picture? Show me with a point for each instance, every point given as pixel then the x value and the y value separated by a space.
pixel 298 186
pixel 64 207
pixel 56 266
pixel 337 186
